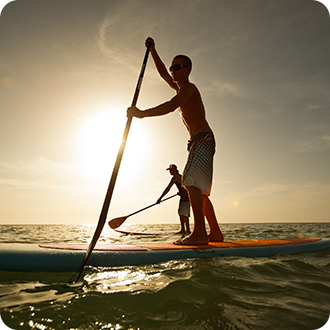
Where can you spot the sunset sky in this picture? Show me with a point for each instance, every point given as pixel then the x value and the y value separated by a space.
pixel 68 73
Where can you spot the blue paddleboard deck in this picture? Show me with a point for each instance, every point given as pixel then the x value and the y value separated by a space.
pixel 68 257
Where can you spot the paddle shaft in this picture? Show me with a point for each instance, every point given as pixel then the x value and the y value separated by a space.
pixel 117 222
pixel 149 206
pixel 108 196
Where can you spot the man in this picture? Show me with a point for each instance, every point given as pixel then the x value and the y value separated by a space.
pixel 184 205
pixel 197 175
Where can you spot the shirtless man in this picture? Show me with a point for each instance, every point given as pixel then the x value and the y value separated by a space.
pixel 184 205
pixel 197 175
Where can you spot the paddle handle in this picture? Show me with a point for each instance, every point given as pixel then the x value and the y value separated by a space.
pixel 113 179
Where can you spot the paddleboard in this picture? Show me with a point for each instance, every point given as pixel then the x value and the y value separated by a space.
pixel 68 257
pixel 135 233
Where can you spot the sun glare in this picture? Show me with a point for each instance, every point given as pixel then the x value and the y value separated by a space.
pixel 100 140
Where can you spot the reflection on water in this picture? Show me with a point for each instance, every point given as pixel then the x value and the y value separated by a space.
pixel 137 279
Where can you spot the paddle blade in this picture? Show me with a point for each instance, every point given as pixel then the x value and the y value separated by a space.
pixel 115 223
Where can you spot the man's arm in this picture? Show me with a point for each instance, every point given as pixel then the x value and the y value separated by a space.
pixel 177 101
pixel 167 189
pixel 160 65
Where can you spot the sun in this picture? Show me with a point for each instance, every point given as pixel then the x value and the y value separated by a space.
pixel 100 138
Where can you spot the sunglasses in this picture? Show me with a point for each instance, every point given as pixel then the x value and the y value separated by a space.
pixel 177 67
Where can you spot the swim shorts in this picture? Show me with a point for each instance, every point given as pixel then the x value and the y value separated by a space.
pixel 184 209
pixel 198 171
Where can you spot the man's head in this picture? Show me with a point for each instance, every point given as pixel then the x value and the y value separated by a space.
pixel 185 60
pixel 173 169
pixel 181 67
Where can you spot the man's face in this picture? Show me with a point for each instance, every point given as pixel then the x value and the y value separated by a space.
pixel 180 70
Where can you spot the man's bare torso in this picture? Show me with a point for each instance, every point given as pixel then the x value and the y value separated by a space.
pixel 193 112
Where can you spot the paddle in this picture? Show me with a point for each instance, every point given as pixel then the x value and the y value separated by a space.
pixel 117 222
pixel 115 170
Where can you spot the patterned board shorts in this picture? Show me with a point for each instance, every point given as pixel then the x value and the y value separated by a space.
pixel 184 209
pixel 199 168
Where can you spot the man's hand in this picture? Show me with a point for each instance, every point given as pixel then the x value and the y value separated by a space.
pixel 151 42
pixel 134 112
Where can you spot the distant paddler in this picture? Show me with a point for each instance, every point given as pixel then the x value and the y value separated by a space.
pixel 184 204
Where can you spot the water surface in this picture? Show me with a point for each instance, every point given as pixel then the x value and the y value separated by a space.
pixel 279 292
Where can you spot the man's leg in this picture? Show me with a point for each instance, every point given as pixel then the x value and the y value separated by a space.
pixel 199 234
pixel 182 231
pixel 182 226
pixel 186 222
pixel 215 231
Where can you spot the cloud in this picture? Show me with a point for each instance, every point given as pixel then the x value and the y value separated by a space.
pixel 40 174
pixel 314 144
pixel 7 68
pixel 268 189
pixel 313 107
pixel 225 88
pixel 272 191
pixel 120 37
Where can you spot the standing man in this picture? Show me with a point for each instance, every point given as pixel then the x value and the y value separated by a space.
pixel 184 205
pixel 197 175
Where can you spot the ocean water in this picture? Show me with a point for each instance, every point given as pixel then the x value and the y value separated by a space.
pixel 278 292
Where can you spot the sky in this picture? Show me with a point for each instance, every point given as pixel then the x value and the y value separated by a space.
pixel 68 73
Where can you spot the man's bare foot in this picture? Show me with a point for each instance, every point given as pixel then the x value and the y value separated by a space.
pixel 184 235
pixel 193 240
pixel 181 232
pixel 215 238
